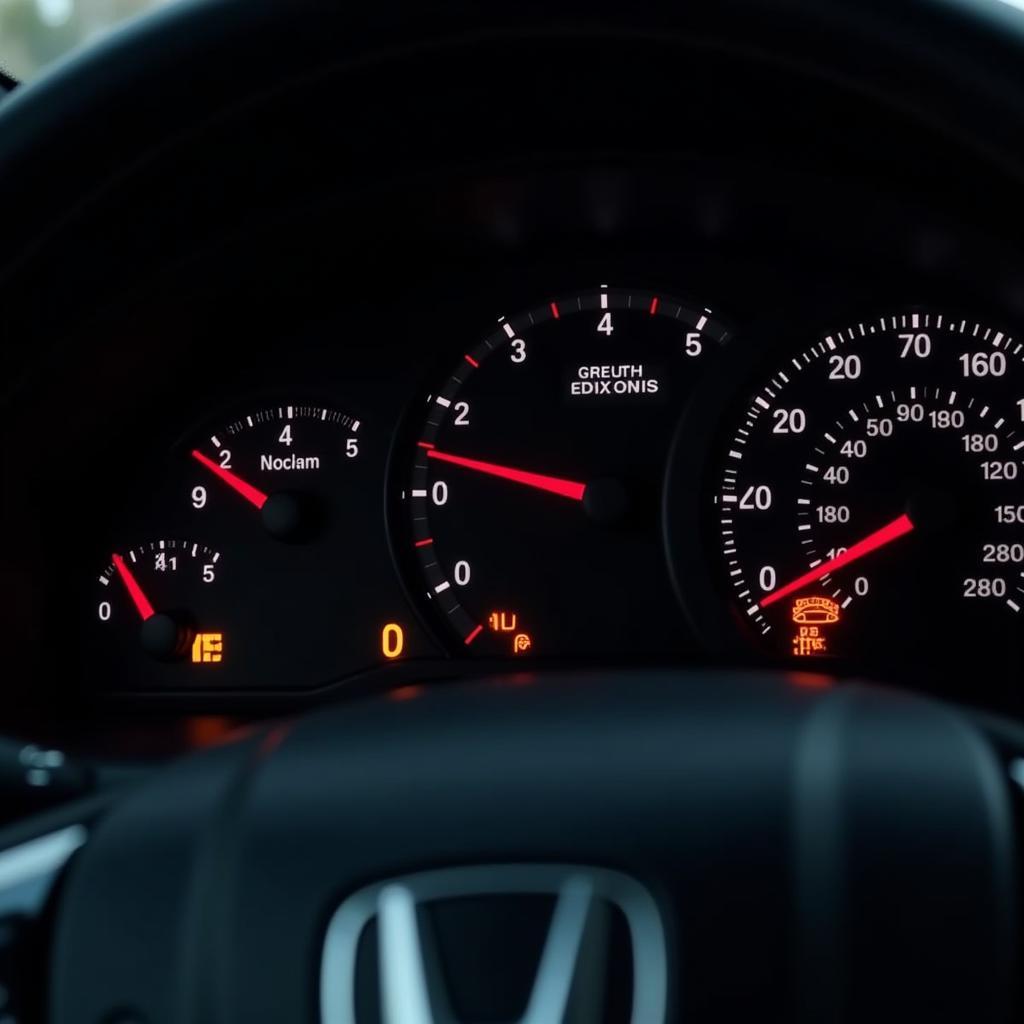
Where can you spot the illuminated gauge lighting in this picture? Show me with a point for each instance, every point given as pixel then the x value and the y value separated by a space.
pixel 303 596
pixel 282 461
pixel 535 472
pixel 870 502
pixel 159 598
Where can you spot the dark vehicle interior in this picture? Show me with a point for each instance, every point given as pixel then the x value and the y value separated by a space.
pixel 515 513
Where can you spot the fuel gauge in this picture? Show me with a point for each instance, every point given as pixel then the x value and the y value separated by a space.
pixel 160 599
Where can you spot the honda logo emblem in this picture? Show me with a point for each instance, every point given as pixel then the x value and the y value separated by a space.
pixel 381 950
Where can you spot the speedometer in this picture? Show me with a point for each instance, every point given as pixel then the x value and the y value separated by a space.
pixel 868 504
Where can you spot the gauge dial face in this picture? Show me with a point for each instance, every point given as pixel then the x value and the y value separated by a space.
pixel 284 463
pixel 870 502
pixel 162 596
pixel 533 494
pixel 298 599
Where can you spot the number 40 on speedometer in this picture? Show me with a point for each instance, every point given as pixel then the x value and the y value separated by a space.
pixel 870 500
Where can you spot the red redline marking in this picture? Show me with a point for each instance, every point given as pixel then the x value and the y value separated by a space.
pixel 472 636
pixel 886 535
pixel 553 484
pixel 472 362
pixel 554 310
pixel 424 543
pixel 654 305
pixel 425 444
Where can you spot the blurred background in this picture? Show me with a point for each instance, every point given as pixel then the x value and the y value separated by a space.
pixel 34 33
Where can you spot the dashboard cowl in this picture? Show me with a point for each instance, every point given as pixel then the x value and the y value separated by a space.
pixel 109 107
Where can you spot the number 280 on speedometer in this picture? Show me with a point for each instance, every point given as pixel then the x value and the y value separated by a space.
pixel 871 499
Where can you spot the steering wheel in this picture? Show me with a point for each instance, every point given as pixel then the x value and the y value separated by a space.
pixel 631 845
pixel 685 847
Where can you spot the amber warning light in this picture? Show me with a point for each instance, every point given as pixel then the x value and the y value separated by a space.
pixel 508 622
pixel 810 615
pixel 503 622
pixel 392 641
pixel 817 611
pixel 208 648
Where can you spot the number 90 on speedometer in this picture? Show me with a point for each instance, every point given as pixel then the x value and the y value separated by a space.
pixel 869 502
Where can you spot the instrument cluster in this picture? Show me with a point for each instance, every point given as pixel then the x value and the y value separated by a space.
pixel 617 474
pixel 713 361
pixel 731 413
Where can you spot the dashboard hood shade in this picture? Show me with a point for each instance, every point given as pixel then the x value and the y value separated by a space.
pixel 105 107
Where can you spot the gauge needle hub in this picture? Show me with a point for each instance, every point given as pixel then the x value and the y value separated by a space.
pixel 139 599
pixel 251 494
pixel 886 535
pixel 552 484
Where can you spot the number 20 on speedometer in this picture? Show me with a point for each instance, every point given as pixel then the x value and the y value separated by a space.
pixel 870 500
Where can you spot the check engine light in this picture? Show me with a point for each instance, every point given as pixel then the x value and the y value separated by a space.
pixel 522 643
pixel 508 622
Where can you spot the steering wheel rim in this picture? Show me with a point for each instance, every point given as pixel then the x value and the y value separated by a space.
pixel 110 105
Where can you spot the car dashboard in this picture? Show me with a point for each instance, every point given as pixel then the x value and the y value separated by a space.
pixel 342 387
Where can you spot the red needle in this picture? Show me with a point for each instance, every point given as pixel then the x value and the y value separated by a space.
pixel 886 535
pixel 247 491
pixel 554 484
pixel 133 588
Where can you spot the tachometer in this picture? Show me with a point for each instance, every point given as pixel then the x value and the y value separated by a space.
pixel 533 488
pixel 869 503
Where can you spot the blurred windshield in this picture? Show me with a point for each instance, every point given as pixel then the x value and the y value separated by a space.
pixel 34 33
